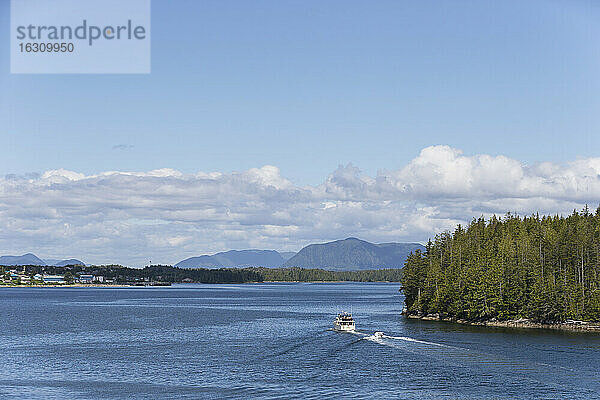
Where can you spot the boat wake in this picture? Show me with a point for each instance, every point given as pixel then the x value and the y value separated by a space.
pixel 454 355
pixel 379 337
pixel 408 339
pixel 460 356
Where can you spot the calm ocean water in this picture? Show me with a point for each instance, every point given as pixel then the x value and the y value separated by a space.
pixel 271 341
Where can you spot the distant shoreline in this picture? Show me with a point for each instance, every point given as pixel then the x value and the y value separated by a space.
pixel 574 326
pixel 326 282
pixel 83 285
pixel 99 285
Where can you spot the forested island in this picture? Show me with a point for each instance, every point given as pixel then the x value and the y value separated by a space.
pixel 545 269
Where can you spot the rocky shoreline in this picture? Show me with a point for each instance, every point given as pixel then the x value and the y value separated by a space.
pixel 569 325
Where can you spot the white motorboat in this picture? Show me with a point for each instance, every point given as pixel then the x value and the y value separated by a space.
pixel 344 322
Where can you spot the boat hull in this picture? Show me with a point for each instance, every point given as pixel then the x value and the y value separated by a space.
pixel 344 328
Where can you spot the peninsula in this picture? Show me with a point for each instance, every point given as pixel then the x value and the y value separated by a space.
pixel 531 272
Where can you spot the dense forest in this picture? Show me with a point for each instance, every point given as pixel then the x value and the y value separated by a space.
pixel 543 268
pixel 167 273
pixel 294 274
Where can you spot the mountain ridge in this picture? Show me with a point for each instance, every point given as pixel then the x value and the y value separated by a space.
pixel 235 258
pixel 32 259
pixel 62 263
pixel 353 254
pixel 25 259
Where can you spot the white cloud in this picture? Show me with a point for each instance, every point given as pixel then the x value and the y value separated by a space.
pixel 61 176
pixel 165 215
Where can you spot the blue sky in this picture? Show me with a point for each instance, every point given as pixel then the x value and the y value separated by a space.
pixel 307 86
pixel 274 124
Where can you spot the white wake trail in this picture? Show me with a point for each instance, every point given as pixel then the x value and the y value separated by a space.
pixel 408 339
pixel 380 339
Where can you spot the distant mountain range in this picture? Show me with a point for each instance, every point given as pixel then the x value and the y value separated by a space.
pixel 25 259
pixel 287 254
pixel 237 258
pixel 341 255
pixel 353 254
pixel 32 259
pixel 62 263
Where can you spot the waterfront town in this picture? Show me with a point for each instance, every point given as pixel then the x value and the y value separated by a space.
pixel 78 275
pixel 22 277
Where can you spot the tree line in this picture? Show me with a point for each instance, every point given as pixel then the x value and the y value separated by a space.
pixel 543 268
pixel 296 274
pixel 167 273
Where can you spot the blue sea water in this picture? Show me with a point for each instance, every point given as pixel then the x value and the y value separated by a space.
pixel 271 341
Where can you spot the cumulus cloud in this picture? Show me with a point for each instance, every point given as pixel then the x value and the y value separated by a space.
pixel 165 215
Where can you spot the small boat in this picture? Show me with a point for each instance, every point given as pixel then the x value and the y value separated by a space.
pixel 344 322
pixel 378 334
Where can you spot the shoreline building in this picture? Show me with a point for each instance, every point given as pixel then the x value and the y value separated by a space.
pixel 53 279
